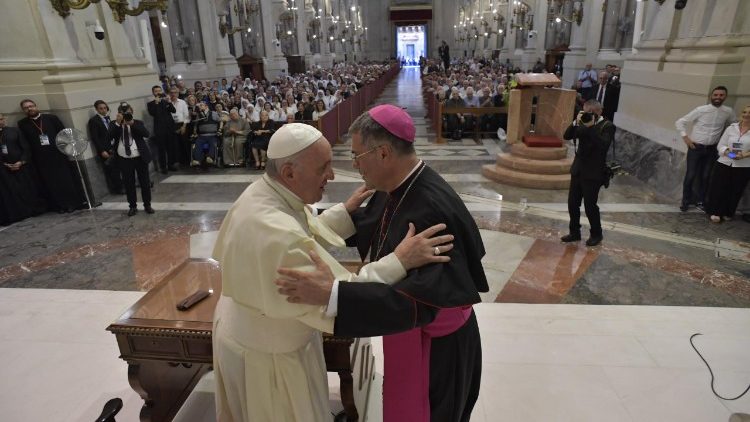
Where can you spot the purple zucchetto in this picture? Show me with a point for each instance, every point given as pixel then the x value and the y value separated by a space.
pixel 395 120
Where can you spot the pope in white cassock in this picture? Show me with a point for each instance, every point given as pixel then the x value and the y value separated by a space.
pixel 268 354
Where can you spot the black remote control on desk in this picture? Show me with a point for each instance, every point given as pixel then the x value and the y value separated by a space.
pixel 191 300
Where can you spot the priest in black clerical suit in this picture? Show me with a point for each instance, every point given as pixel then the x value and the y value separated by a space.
pixel 429 327
pixel 60 181
pixel 132 156
pixel 98 126
pixel 19 194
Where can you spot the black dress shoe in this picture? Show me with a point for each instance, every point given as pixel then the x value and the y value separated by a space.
pixel 683 207
pixel 132 212
pixel 148 209
pixel 173 167
pixel 164 171
pixel 570 237
pixel 593 241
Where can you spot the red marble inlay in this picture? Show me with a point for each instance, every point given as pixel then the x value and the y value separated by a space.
pixel 735 285
pixel 94 249
pixel 547 272
pixel 153 261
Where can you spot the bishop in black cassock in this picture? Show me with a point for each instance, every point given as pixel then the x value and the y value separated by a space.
pixel 59 179
pixel 19 194
pixel 432 347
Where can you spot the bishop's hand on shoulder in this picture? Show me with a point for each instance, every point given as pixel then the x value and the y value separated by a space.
pixel 357 198
pixel 423 248
pixel 308 287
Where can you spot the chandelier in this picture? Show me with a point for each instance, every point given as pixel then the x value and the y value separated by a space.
pixel 120 8
pixel 249 7
pixel 522 18
pixel 557 10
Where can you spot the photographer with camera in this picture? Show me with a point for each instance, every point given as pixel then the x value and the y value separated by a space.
pixel 594 135
pixel 132 156
pixel 161 110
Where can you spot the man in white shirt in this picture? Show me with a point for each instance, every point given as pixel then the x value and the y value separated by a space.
pixel 181 118
pixel 587 78
pixel 709 122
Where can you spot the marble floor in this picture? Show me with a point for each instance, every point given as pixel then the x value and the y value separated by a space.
pixel 569 332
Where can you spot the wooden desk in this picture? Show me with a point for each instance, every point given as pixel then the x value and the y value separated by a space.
pixel 168 351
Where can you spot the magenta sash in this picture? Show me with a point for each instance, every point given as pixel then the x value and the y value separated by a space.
pixel 406 382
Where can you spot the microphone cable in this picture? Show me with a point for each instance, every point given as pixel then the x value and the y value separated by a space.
pixel 712 372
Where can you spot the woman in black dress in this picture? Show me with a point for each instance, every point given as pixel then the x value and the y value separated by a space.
pixel 260 135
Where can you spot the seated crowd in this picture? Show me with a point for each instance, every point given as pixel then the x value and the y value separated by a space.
pixel 246 112
pixel 487 83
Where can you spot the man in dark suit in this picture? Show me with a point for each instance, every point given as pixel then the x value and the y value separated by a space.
pixel 161 109
pixel 607 93
pixel 99 133
pixel 589 170
pixel 132 155
pixel 446 56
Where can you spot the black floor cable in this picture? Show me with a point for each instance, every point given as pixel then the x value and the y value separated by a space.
pixel 712 372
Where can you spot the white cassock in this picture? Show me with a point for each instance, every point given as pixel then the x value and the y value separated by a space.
pixel 268 354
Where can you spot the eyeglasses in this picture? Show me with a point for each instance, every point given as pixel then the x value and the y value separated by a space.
pixel 356 156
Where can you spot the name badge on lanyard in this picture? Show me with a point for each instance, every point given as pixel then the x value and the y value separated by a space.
pixel 4 149
pixel 44 139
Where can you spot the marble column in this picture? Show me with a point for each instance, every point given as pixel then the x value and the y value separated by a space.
pixel 638 24
pixel 576 58
pixel 535 43
pixel 220 60
pixel 274 62
pixel 303 46
pixel 326 53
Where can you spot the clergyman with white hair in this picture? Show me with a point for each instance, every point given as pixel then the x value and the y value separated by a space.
pixel 268 353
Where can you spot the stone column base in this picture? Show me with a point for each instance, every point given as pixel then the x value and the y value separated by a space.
pixel 274 67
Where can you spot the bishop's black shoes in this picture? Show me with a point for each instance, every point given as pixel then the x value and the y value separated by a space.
pixel 571 237
pixel 148 209
pixel 594 240
pixel 132 211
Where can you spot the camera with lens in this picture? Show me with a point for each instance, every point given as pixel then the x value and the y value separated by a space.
pixel 587 117
pixel 126 111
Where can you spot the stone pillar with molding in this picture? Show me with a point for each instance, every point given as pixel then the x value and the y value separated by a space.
pixel 274 62
pixel 576 58
pixel 326 58
pixel 64 68
pixel 535 44
pixel 220 60
pixel 303 46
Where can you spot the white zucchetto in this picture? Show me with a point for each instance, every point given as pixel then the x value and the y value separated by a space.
pixel 291 139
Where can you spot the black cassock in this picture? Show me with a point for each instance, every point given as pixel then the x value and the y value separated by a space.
pixel 60 182
pixel 372 309
pixel 19 194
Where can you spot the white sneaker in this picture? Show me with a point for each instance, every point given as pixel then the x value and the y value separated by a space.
pixel 209 160
pixel 195 163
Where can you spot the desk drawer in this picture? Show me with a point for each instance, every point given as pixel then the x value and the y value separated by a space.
pixel 156 346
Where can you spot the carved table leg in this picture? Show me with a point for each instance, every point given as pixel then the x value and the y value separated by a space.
pixel 347 396
pixel 163 386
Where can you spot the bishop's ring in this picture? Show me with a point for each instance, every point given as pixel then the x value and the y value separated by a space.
pixel 437 250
